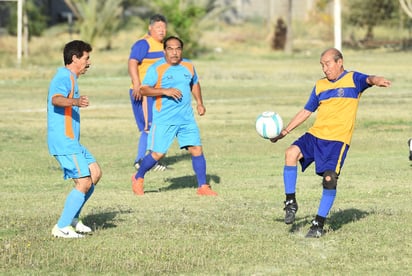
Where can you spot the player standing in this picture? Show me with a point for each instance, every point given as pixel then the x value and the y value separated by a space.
pixel 63 138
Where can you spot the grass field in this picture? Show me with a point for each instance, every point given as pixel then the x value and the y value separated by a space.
pixel 172 231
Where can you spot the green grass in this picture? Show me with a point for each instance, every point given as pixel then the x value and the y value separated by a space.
pixel 170 230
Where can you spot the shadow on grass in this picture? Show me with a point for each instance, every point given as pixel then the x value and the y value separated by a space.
pixel 170 160
pixel 335 221
pixel 188 181
pixel 102 220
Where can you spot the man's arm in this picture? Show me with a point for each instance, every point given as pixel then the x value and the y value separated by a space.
pixel 299 118
pixel 197 94
pixel 61 101
pixel 133 66
pixel 169 92
pixel 378 81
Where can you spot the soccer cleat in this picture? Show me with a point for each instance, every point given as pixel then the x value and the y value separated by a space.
pixel 315 231
pixel 291 207
pixel 137 185
pixel 410 149
pixel 80 227
pixel 205 190
pixel 158 167
pixel 65 232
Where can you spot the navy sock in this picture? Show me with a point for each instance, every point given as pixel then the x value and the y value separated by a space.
pixel 199 166
pixel 326 202
pixel 147 163
pixel 142 146
pixel 290 175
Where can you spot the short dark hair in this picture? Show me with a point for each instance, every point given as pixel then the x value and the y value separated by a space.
pixel 157 18
pixel 170 38
pixel 75 47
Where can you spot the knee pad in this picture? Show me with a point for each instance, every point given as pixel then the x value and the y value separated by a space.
pixel 330 180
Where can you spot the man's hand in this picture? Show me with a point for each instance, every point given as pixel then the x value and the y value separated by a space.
pixel 282 134
pixel 201 109
pixel 173 93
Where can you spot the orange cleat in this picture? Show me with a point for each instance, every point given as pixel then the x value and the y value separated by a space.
pixel 137 185
pixel 205 190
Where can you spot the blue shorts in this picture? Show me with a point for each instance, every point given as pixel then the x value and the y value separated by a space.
pixel 138 111
pixel 327 155
pixel 161 136
pixel 76 165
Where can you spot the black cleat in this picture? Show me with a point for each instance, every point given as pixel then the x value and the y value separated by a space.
pixel 410 149
pixel 315 231
pixel 291 207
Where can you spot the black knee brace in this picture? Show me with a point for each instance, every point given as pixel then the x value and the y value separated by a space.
pixel 330 180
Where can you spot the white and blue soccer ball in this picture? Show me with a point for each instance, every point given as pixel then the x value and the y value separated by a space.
pixel 269 124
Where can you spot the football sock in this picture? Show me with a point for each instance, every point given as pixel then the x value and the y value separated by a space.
pixel 86 197
pixel 147 163
pixel 142 146
pixel 199 166
pixel 290 174
pixel 74 202
pixel 321 220
pixel 326 202
pixel 291 197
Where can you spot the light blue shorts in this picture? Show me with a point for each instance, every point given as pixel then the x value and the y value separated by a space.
pixel 76 165
pixel 161 137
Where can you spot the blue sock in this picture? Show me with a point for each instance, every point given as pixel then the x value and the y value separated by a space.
pixel 199 166
pixel 147 163
pixel 290 175
pixel 142 146
pixel 326 202
pixel 86 197
pixel 74 202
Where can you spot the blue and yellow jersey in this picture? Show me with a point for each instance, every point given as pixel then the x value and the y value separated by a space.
pixel 63 123
pixel 336 103
pixel 146 51
pixel 166 110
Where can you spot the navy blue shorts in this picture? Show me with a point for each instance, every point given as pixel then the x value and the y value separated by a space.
pixel 327 155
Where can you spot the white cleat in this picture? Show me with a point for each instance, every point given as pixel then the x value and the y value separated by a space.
pixel 80 227
pixel 65 232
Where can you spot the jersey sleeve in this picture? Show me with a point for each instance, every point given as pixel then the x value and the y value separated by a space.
pixel 360 81
pixel 139 50
pixel 313 101
pixel 151 77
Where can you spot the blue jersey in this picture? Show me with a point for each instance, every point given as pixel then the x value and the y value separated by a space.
pixel 336 103
pixel 166 110
pixel 146 51
pixel 63 123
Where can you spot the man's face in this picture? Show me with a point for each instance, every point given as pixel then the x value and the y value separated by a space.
pixel 173 52
pixel 331 68
pixel 82 64
pixel 158 30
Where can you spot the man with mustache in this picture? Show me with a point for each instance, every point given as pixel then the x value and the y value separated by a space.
pixel 63 138
pixel 171 82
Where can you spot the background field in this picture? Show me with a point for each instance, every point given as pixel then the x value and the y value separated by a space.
pixel 170 230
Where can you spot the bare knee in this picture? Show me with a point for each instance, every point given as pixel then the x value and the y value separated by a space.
pixel 292 155
pixel 95 173
pixel 195 150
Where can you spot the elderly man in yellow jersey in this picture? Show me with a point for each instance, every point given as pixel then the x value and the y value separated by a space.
pixel 326 143
pixel 145 51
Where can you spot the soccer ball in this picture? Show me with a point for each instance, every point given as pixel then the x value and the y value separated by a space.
pixel 269 124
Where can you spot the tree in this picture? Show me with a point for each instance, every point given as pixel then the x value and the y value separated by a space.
pixel 97 18
pixel 406 7
pixel 370 13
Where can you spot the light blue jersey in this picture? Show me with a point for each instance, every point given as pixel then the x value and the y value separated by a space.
pixel 63 130
pixel 166 110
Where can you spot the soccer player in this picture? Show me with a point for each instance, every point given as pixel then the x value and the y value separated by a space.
pixel 326 143
pixel 63 138
pixel 144 53
pixel 172 80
